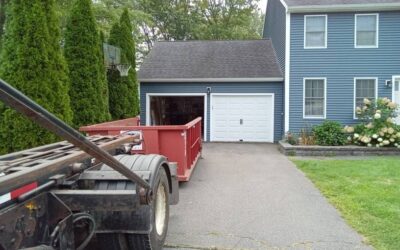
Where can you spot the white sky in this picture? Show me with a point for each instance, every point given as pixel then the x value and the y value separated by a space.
pixel 263 5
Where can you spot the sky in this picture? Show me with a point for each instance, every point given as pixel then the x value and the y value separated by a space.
pixel 263 5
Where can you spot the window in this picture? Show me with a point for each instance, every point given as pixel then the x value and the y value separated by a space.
pixel 366 34
pixel 315 31
pixel 364 88
pixel 314 98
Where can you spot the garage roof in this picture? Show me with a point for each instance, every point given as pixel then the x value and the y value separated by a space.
pixel 211 61
pixel 340 5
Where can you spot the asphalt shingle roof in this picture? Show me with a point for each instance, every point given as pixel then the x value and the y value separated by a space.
pixel 211 60
pixel 293 3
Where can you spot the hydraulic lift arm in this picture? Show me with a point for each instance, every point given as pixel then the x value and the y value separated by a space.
pixel 18 101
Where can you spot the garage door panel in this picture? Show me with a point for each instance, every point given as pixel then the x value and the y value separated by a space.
pixel 242 117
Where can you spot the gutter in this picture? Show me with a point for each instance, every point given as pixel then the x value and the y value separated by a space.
pixel 344 8
pixel 171 80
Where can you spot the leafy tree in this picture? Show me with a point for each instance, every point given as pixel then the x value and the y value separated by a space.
pixel 202 19
pixel 31 61
pixel 88 92
pixel 154 20
pixel 172 20
pixel 124 100
pixel 229 19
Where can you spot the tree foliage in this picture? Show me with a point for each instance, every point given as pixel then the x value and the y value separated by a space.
pixel 31 60
pixel 124 101
pixel 2 18
pixel 89 92
pixel 202 19
pixel 154 20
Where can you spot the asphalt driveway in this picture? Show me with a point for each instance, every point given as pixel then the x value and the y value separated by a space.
pixel 249 196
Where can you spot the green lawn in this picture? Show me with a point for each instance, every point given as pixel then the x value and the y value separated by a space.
pixel 366 192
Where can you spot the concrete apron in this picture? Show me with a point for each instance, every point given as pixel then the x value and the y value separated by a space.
pixel 249 196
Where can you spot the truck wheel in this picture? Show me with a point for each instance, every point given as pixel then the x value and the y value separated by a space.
pixel 159 217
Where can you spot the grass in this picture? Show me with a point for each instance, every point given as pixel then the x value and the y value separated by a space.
pixel 366 192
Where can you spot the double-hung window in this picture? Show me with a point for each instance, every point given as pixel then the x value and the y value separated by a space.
pixel 364 88
pixel 315 31
pixel 314 98
pixel 366 30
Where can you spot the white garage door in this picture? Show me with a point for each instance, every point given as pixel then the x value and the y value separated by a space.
pixel 242 117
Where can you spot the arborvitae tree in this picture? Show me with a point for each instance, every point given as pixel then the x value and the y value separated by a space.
pixel 2 18
pixel 102 70
pixel 88 90
pixel 32 62
pixel 58 63
pixel 124 101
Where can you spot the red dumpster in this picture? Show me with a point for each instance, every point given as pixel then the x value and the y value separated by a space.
pixel 179 143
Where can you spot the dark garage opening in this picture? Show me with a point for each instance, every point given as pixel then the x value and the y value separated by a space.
pixel 176 110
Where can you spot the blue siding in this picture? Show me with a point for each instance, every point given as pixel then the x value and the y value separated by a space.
pixel 275 28
pixel 275 87
pixel 340 63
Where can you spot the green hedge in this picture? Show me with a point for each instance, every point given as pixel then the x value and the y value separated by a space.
pixel 31 60
pixel 329 133
pixel 89 92
pixel 124 101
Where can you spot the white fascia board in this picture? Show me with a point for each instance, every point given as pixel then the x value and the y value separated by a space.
pixel 284 4
pixel 344 8
pixel 261 79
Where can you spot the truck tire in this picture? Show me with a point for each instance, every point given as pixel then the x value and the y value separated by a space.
pixel 159 209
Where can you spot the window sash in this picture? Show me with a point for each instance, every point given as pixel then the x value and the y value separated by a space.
pixel 314 98
pixel 366 30
pixel 365 88
pixel 315 31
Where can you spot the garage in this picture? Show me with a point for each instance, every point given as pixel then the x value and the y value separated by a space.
pixel 175 109
pixel 242 117
pixel 235 86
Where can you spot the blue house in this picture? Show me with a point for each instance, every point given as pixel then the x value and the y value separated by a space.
pixel 318 60
pixel 334 53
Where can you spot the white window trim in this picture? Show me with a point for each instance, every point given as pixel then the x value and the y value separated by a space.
pixel 377 31
pixel 326 32
pixel 354 94
pixel 304 98
pixel 394 77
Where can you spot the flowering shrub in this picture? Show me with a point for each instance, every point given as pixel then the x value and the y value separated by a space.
pixel 377 127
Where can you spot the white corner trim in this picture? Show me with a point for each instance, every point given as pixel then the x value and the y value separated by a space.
pixel 287 73
pixel 377 31
pixel 344 8
pixel 394 77
pixel 304 99
pixel 149 95
pixel 326 32
pixel 354 92
pixel 179 80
